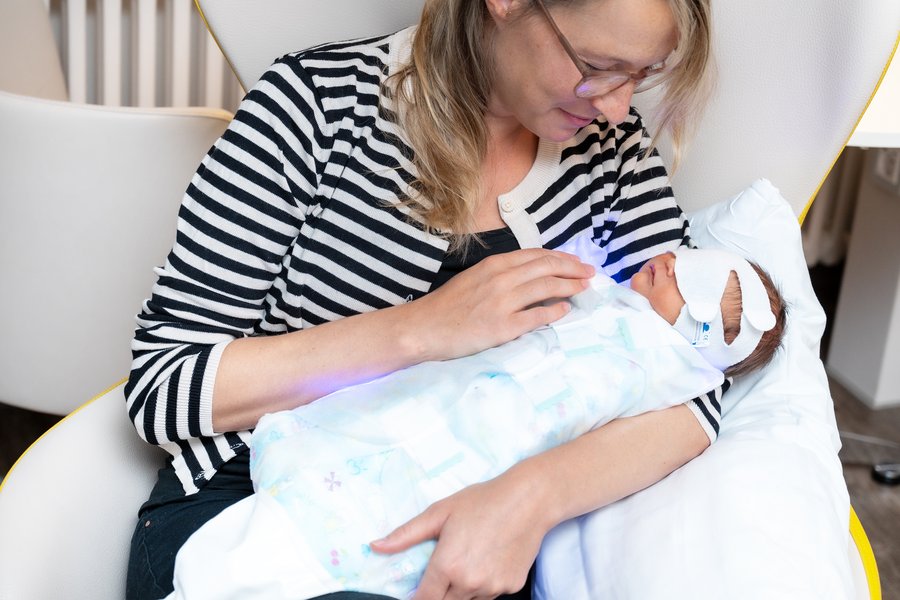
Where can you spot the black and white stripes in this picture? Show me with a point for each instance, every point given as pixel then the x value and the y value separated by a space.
pixel 288 224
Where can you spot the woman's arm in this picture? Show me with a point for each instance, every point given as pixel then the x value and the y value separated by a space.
pixel 489 534
pixel 493 302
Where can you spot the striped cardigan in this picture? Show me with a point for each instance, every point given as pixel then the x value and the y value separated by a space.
pixel 290 221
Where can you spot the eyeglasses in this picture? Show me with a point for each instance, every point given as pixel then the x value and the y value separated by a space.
pixel 597 82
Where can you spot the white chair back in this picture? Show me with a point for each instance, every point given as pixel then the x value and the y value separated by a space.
pixel 794 78
pixel 88 204
pixel 253 34
pixel 69 506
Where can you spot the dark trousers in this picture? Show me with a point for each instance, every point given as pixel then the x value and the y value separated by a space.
pixel 168 518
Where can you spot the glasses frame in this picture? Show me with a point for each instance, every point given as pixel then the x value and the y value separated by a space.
pixel 596 82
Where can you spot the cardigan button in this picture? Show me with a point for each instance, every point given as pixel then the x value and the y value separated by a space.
pixel 506 206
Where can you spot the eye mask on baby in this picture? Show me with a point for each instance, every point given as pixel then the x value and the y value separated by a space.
pixel 701 276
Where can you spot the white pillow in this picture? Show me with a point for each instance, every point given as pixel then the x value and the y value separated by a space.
pixel 764 512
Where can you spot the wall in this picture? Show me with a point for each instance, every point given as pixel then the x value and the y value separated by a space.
pixel 865 346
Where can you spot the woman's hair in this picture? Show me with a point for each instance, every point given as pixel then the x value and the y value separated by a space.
pixel 691 74
pixel 443 92
pixel 442 96
pixel 770 341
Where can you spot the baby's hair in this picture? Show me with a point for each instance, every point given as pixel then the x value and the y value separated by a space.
pixel 770 341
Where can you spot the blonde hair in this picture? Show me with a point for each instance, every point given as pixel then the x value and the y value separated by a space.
pixel 443 92
pixel 691 75
pixel 442 96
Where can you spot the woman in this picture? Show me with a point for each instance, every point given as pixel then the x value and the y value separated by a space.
pixel 336 233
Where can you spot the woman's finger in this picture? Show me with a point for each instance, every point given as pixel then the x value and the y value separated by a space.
pixel 524 255
pixel 497 300
pixel 433 585
pixel 536 263
pixel 421 528
pixel 539 316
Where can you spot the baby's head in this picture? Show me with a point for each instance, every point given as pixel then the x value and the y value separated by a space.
pixel 727 307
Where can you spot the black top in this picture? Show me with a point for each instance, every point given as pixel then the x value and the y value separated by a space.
pixel 495 241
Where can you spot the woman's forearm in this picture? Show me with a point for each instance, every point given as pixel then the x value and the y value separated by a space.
pixel 611 462
pixel 259 375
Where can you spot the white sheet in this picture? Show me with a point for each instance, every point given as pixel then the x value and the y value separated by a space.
pixel 764 512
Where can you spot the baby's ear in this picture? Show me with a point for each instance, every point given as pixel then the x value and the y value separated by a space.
pixel 734 283
pixel 731 308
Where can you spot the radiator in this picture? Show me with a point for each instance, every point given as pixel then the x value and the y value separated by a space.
pixel 141 53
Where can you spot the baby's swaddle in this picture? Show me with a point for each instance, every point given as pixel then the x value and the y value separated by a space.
pixel 347 469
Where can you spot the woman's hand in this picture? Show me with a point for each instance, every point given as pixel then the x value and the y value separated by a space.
pixel 488 536
pixel 493 302
pixel 497 300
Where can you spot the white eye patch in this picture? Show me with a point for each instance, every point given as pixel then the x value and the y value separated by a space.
pixel 701 276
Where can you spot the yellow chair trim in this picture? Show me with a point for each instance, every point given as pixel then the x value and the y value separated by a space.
pixel 67 417
pixel 858 119
pixel 866 554
pixel 221 49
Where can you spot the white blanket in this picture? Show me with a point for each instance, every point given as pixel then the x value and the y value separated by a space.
pixel 349 468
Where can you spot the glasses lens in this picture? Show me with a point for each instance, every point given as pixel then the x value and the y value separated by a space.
pixel 649 82
pixel 598 85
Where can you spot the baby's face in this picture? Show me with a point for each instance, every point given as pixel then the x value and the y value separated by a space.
pixel 656 282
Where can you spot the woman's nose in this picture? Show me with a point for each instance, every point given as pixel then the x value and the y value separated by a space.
pixel 615 104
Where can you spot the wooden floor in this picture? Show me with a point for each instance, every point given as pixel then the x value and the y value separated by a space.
pixel 877 505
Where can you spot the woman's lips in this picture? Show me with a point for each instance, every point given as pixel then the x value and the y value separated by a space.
pixel 576 120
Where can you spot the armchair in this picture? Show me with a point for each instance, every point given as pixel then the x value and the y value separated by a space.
pixel 792 89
